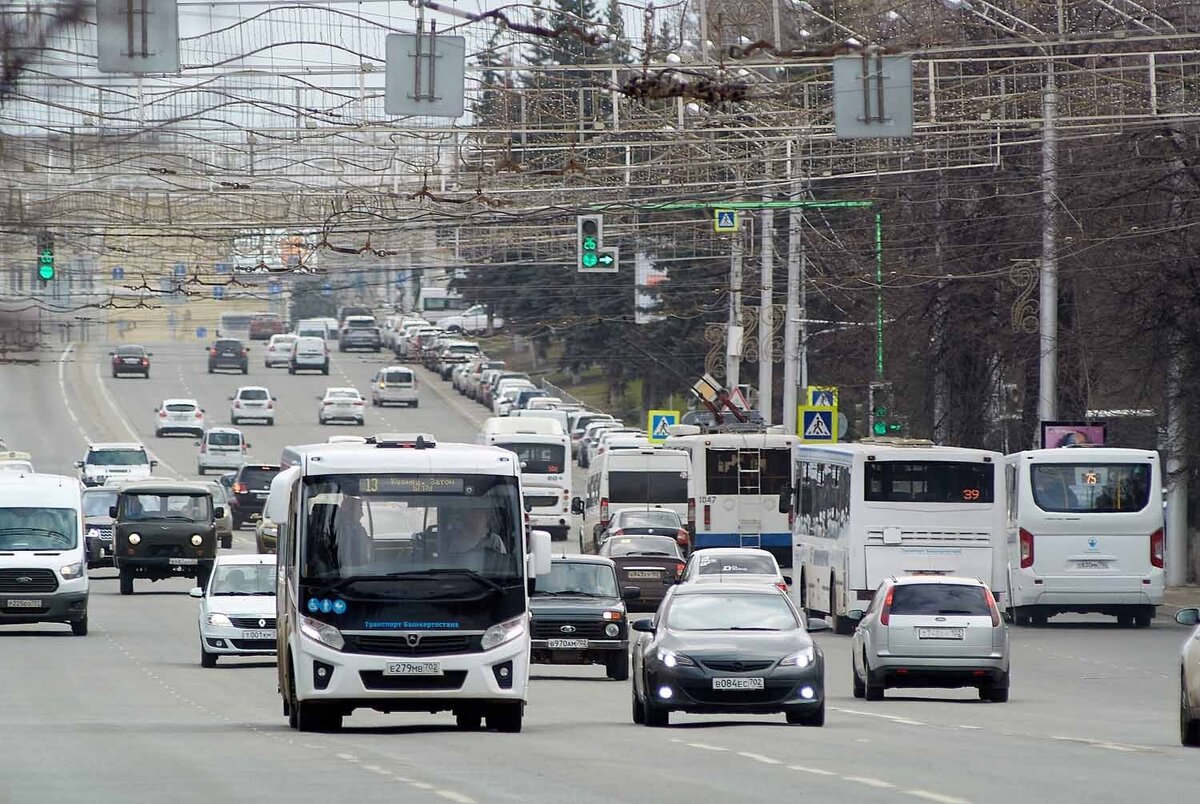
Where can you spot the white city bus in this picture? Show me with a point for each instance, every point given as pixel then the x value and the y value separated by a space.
pixel 404 573
pixel 235 325
pixel 737 478
pixel 1085 533
pixel 869 510
pixel 545 460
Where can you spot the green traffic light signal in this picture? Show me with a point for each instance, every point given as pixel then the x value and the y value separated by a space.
pixel 46 265
pixel 895 427
pixel 879 428
pixel 590 259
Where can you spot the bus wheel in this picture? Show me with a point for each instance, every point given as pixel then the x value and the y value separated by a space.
pixel 1020 616
pixel 312 716
pixel 468 719
pixel 506 717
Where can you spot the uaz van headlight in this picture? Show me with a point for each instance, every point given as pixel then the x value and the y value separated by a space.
pixel 197 539
pixel 503 632
pixel 801 658
pixel 71 571
pixel 324 633
pixel 135 539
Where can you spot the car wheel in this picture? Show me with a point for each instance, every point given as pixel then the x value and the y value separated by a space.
pixel 227 542
pixel 146 374
pixel 126 581
pixel 245 369
pixel 506 717
pixel 316 717
pixel 1142 620
pixel 200 470
pixel 289 701
pixel 871 692
pixel 291 369
pixel 1189 727
pixel 468 720
pixel 414 404
pixel 79 627
pixel 1020 616
pixel 996 693
pixel 114 375
pixel 207 659
pixel 1125 621
pixel 233 419
pixel 325 371
pixel 800 717
pixel 654 716
pixel 617 666
pixel 860 689
pixel 270 422
pixel 210 369
pixel 637 707
pixel 360 422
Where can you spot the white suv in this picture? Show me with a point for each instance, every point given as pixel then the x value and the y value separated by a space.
pixel 252 402
pixel 113 463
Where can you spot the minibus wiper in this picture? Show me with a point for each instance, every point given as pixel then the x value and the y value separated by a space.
pixel 434 573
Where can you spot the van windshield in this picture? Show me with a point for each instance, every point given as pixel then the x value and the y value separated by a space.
pixel 180 507
pixel 647 487
pixel 538 459
pixel 38 529
pixel 117 457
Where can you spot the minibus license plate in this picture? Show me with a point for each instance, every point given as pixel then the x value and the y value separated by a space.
pixel 413 669
pixel 939 633
pixel 23 604
pixel 738 684
pixel 566 644
pixel 1093 565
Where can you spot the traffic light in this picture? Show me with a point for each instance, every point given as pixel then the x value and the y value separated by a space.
pixel 884 418
pixel 590 229
pixel 45 255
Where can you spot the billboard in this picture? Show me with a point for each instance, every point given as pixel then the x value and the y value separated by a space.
pixel 1067 434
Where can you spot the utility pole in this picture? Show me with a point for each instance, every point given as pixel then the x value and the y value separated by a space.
pixel 1175 446
pixel 793 320
pixel 1048 294
pixel 733 340
pixel 766 317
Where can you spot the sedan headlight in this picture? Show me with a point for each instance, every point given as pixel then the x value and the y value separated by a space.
pixel 801 658
pixel 324 633
pixel 672 659
pixel 503 632
pixel 197 539
pixel 219 620
pixel 135 539
pixel 71 571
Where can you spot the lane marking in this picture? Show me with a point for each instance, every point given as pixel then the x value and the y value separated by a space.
pixel 815 771
pixel 706 747
pixel 938 798
pixel 62 389
pixel 759 758
pixel 1111 746
pixel 869 782
pixel 893 718
pixel 450 795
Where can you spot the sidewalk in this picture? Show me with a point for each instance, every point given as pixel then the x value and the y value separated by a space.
pixel 1179 597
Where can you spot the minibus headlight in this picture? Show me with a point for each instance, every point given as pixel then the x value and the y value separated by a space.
pixel 71 571
pixel 503 632
pixel 324 633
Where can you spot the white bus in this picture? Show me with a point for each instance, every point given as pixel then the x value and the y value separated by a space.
pixel 737 478
pixel 869 510
pixel 1085 533
pixel 404 572
pixel 434 304
pixel 545 460
pixel 235 325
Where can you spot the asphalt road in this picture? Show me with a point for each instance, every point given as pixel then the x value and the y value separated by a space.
pixel 128 715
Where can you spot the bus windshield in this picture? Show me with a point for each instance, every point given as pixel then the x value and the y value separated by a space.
pixel 1091 488
pixel 392 526
pixel 929 482
pixel 538 459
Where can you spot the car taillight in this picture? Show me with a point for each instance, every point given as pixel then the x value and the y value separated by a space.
pixel 239 488
pixel 1026 549
pixel 243 447
pixel 691 511
pixel 199 414
pixel 237 403
pixel 604 512
pixel 245 351
pixel 162 414
pixel 270 405
pixel 781 586
pixel 681 537
pixel 145 361
pixel 212 352
pixel 1157 546
pixel 679 570
pixel 203 447
pixel 885 613
pixel 992 607
pixel 358 403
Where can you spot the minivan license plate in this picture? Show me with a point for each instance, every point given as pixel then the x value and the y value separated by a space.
pixel 738 684
pixel 413 669
pixel 23 604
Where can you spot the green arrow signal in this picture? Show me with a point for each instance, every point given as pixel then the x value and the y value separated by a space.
pixel 607 259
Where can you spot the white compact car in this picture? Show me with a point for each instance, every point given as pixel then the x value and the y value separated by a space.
pixel 221 448
pixel 237 608
pixel 178 416
pixel 114 463
pixel 279 350
pixel 733 565
pixel 341 404
pixel 252 402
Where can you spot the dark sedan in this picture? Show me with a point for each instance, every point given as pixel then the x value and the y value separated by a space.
pixel 732 650
pixel 651 563
pixel 131 360
pixel 228 354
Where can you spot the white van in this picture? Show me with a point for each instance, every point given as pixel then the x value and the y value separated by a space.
pixel 434 304
pixel 545 461
pixel 560 416
pixel 43 557
pixel 309 354
pixel 633 478
pixel 498 425
pixel 1085 533
pixel 313 328
pixel 221 448
pixel 394 385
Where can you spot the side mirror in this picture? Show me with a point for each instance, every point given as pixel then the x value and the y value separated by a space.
pixel 816 624
pixel 1188 616
pixel 855 615
pixel 78 464
pixel 149 354
pixel 785 500
pixel 196 592
pixel 631 593
pixel 787 579
pixel 248 445
pixel 577 505
pixel 806 501
pixel 541 552
pixel 112 354
pixel 153 464
pixel 230 399
pixel 645 625
pixel 197 444
pixel 219 512
pixel 112 512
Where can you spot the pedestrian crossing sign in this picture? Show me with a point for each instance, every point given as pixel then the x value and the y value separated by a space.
pixel 725 220
pixel 818 425
pixel 658 422
pixel 822 396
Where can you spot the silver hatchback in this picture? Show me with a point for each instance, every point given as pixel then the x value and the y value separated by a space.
pixel 930 631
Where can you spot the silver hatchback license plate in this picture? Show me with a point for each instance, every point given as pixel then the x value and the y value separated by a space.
pixel 413 669
pixel 258 635
pixel 566 644
pixel 940 633
pixel 739 684
pixel 26 603
pixel 183 562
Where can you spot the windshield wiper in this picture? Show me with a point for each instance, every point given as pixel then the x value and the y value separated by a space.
pixel 583 594
pixel 648 553
pixel 435 573
pixel 39 531
pixel 539 592
pixel 732 628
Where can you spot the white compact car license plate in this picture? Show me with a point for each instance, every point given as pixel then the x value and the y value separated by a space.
pixel 258 635
pixel 646 574
pixel 183 562
pixel 738 684
pixel 1092 565
pixel 26 603
pixel 413 669
pixel 566 644
pixel 940 633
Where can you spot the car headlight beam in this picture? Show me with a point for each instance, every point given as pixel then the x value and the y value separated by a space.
pixel 218 620
pixel 135 539
pixel 503 632
pixel 321 632
pixel 672 659
pixel 71 571
pixel 801 658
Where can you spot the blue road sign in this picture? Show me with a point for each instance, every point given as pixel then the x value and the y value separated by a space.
pixel 181 269
pixel 275 288
pixel 327 289
pixel 118 272
pixel 201 333
pixel 818 426
pixel 218 291
pixel 657 423
pixel 221 267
